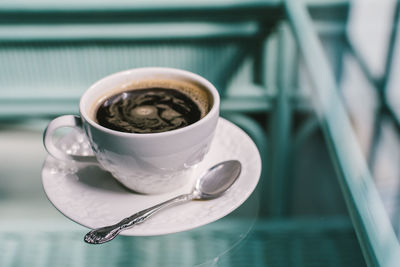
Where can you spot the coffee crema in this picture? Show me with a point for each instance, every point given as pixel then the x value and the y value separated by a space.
pixel 150 110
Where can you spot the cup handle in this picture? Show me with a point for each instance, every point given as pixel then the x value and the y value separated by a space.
pixel 52 149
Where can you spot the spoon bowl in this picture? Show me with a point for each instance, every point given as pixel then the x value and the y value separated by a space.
pixel 215 182
pixel 209 187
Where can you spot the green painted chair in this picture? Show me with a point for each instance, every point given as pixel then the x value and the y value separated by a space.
pixel 50 53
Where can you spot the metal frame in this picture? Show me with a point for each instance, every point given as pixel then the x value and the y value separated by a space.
pixel 385 110
pixel 374 230
pixel 77 24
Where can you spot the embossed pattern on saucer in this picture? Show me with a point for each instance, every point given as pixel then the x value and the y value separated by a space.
pixel 92 197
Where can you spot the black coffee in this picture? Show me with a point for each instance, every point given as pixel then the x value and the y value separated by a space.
pixel 149 110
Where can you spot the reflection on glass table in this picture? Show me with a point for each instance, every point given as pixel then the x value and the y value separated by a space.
pixel 301 82
pixel 316 230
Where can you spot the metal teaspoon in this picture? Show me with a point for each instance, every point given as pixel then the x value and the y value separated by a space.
pixel 213 184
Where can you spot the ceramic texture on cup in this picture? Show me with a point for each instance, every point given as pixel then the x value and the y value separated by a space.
pixel 156 162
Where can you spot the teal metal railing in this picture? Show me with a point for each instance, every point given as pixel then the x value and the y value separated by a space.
pixel 50 54
pixel 373 227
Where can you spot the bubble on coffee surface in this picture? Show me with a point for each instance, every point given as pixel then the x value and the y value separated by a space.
pixel 149 110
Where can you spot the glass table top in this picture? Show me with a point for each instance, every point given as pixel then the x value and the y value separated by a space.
pixel 316 229
pixel 324 116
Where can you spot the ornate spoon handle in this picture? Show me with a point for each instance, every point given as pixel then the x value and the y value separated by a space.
pixel 108 233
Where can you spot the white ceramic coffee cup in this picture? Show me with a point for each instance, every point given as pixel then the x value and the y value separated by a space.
pixel 146 163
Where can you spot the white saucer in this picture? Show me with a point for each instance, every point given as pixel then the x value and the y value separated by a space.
pixel 93 198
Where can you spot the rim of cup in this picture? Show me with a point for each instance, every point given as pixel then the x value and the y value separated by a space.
pixel 189 76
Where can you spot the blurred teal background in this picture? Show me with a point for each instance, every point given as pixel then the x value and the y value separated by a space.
pixel 314 83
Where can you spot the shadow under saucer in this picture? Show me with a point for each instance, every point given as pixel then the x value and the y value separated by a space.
pixel 96 177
